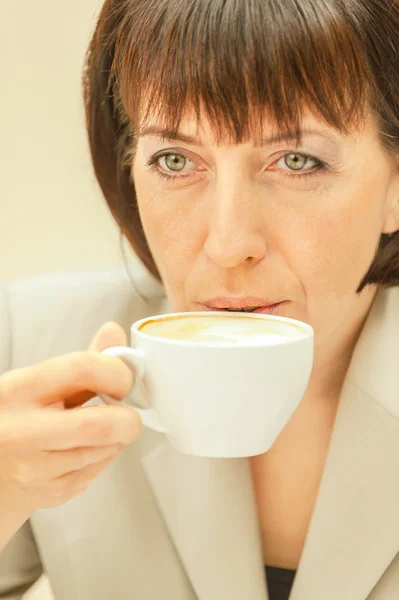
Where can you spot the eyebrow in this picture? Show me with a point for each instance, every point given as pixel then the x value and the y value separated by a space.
pixel 168 135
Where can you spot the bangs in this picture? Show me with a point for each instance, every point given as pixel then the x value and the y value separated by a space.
pixel 239 63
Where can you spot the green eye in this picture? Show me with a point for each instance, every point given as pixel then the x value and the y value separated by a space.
pixel 295 161
pixel 175 162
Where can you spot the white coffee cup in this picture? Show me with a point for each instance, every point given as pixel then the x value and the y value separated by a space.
pixel 218 396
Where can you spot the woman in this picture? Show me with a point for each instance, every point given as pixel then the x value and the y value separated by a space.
pixel 249 152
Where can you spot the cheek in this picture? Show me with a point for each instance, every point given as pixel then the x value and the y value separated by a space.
pixel 339 242
pixel 172 226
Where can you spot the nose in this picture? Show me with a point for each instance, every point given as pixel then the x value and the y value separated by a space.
pixel 234 227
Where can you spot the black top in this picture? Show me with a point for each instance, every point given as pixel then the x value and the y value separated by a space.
pixel 279 582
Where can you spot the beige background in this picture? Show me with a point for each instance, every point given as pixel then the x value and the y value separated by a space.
pixel 53 217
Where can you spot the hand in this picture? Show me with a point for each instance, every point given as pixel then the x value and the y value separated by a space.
pixel 51 447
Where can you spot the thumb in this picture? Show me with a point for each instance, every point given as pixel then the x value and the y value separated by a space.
pixel 109 334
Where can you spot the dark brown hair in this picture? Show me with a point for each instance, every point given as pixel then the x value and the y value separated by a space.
pixel 240 61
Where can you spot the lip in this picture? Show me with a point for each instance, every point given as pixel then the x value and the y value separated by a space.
pixel 264 306
pixel 238 302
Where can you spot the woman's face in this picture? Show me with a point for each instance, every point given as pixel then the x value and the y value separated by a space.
pixel 266 224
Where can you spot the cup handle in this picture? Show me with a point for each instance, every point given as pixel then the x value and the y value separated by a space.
pixel 134 359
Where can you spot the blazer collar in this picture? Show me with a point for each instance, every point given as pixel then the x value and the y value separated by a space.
pixel 209 505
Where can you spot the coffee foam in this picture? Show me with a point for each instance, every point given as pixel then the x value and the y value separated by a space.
pixel 228 329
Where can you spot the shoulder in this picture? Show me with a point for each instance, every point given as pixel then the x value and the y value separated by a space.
pixel 56 314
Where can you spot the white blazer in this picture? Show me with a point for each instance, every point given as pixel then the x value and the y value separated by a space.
pixel 157 524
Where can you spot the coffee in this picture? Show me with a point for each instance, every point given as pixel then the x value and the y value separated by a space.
pixel 230 329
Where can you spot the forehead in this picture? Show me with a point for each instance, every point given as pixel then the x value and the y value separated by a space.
pixel 193 130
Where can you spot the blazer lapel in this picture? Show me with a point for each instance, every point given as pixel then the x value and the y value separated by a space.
pixel 209 508
pixel 209 505
pixel 354 532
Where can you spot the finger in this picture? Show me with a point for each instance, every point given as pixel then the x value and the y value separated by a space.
pixel 110 334
pixel 57 463
pixel 78 481
pixel 59 378
pixel 63 430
